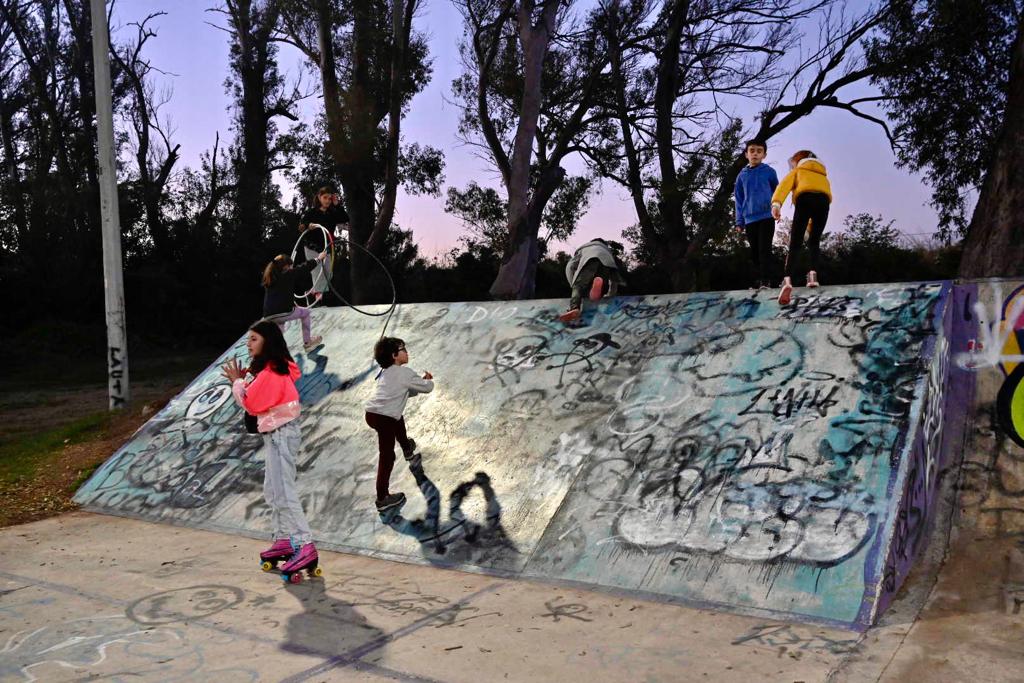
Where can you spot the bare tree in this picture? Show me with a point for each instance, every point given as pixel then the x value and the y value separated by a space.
pixel 822 79
pixel 155 154
pixel 12 99
pixel 216 190
pixel 529 103
pixel 260 95
pixel 37 37
pixel 671 91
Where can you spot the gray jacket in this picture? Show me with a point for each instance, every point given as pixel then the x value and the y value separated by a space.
pixel 592 249
pixel 394 387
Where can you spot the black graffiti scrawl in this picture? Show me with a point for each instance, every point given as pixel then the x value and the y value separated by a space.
pixel 709 446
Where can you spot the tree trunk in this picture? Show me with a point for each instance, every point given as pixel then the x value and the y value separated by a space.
pixel 352 119
pixel 670 201
pixel 80 19
pixel 252 171
pixel 360 205
pixel 515 279
pixel 995 239
pixel 252 32
pixel 401 22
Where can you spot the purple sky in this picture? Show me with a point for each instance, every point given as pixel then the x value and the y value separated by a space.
pixel 860 163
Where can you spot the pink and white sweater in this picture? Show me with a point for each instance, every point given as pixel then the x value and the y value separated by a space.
pixel 271 397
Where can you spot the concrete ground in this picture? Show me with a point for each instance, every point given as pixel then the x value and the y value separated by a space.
pixel 87 597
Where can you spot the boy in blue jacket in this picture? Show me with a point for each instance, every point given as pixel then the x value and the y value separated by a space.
pixel 754 187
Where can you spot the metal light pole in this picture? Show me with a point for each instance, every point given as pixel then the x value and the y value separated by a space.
pixel 117 338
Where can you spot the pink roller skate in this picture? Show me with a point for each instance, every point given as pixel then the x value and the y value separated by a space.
pixel 307 558
pixel 281 550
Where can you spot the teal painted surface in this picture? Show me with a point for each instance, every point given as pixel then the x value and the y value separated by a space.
pixel 709 447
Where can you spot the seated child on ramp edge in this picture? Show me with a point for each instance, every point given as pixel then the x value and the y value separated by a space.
pixel 395 384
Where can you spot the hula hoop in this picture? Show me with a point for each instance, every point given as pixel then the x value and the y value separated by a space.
pixel 307 295
pixel 330 241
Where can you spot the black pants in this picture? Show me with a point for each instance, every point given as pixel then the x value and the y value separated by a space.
pixel 585 278
pixel 388 430
pixel 760 235
pixel 813 207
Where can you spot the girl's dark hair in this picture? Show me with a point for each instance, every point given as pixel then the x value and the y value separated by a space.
pixel 275 350
pixel 384 351
pixel 274 269
pixel 801 155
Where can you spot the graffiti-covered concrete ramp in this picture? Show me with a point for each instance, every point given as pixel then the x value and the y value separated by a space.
pixel 712 448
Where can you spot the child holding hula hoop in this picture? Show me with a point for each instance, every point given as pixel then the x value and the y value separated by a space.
pixel 279 297
pixel 328 212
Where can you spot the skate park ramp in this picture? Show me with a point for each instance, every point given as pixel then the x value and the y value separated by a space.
pixel 710 448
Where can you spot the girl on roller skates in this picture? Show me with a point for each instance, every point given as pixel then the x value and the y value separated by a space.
pixel 269 393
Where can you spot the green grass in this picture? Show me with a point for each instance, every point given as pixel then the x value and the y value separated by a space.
pixel 82 477
pixel 22 457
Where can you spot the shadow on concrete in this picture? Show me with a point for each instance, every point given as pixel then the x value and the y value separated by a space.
pixel 327 626
pixel 461 539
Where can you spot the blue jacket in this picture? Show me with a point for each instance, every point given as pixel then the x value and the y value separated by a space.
pixel 754 188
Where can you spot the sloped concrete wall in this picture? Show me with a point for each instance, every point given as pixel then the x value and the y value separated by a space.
pixel 992 476
pixel 712 447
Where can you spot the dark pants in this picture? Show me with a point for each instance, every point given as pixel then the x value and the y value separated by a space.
pixel 388 429
pixel 759 236
pixel 813 207
pixel 585 278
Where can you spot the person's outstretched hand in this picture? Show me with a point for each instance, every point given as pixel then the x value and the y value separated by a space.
pixel 427 375
pixel 322 256
pixel 232 370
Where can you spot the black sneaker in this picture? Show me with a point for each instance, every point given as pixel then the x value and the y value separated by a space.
pixel 392 500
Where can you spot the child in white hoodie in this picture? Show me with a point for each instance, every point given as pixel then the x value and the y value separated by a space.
pixel 395 384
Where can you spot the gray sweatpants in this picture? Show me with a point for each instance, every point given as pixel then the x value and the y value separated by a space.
pixel 321 273
pixel 286 515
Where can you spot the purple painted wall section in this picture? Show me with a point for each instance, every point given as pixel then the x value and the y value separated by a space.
pixel 961 383
pixel 936 441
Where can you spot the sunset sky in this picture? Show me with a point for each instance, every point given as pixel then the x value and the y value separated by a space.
pixel 860 163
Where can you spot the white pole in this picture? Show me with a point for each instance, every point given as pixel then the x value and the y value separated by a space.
pixel 117 338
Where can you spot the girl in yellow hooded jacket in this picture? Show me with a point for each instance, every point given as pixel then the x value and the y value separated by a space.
pixel 812 195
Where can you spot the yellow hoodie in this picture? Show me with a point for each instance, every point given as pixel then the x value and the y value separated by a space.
pixel 808 176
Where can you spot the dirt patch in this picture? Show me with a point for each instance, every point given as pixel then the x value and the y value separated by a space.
pixel 59 472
